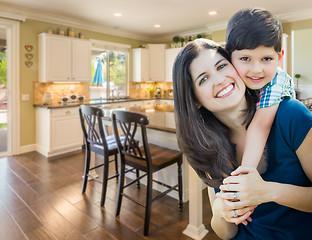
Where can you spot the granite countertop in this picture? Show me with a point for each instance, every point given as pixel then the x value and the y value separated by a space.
pixel 161 116
pixel 95 102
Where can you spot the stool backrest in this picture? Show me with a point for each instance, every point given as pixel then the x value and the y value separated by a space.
pixel 131 124
pixel 92 125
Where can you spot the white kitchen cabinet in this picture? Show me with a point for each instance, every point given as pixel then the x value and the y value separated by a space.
pixel 157 62
pixel 171 54
pixel 149 63
pixel 58 131
pixel 140 65
pixel 64 59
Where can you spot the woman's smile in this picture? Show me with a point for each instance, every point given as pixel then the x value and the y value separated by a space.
pixel 226 91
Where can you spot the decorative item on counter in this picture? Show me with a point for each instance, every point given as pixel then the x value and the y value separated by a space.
pixel 47 98
pixel 158 92
pixel 61 31
pixel 73 98
pixel 81 98
pixel 151 91
pixel 29 48
pixel 170 92
pixel 70 32
pixel 81 35
pixel 50 31
pixel 64 99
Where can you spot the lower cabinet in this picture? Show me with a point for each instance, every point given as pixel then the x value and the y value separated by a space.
pixel 58 131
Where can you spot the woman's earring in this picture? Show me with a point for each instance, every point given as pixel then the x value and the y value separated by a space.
pixel 198 105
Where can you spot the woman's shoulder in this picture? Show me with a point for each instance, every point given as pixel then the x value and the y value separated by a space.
pixel 293 108
pixel 293 121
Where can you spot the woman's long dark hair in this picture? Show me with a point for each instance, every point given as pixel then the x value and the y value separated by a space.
pixel 201 136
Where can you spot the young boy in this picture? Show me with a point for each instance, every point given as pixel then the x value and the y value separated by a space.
pixel 254 40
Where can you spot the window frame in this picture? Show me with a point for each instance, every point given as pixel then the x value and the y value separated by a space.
pixel 103 46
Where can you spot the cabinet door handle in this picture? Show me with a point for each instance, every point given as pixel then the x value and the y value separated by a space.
pixel 67 112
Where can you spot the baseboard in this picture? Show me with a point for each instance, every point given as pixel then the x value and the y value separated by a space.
pixel 28 148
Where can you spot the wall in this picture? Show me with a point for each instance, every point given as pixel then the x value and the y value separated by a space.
pixel 302 60
pixel 29 31
pixel 288 28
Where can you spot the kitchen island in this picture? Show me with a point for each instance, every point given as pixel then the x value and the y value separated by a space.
pixel 162 131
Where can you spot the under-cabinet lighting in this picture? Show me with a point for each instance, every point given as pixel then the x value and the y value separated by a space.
pixel 157 26
pixel 213 13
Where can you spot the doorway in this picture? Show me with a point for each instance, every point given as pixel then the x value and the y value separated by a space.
pixel 9 87
pixel 3 93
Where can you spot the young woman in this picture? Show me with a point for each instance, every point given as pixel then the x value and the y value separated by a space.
pixel 213 110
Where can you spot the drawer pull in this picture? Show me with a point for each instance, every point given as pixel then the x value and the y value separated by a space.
pixel 67 112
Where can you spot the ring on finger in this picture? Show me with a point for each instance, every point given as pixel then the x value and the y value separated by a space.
pixel 235 195
pixel 234 214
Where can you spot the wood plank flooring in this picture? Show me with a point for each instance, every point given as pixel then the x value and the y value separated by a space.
pixel 41 199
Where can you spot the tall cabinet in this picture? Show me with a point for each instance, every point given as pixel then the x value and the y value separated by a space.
pixel 149 63
pixel 171 54
pixel 64 59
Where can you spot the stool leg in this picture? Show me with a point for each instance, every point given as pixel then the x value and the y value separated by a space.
pixel 105 179
pixel 86 170
pixel 121 183
pixel 116 164
pixel 137 176
pixel 148 203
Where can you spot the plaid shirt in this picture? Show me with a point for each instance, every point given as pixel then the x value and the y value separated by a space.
pixel 274 92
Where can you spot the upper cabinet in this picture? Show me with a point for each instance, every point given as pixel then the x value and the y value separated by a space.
pixel 140 65
pixel 171 54
pixel 64 59
pixel 149 63
pixel 157 62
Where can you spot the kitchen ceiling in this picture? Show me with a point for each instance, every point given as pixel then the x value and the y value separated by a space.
pixel 176 17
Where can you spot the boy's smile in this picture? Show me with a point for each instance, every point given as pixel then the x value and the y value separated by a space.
pixel 257 67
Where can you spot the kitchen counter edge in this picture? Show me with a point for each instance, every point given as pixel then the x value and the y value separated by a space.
pixel 95 102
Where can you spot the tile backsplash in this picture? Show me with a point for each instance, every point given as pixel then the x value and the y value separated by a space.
pixel 58 89
pixel 139 90
pixel 136 90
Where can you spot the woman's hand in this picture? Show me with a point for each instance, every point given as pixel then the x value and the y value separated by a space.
pixel 237 216
pixel 250 188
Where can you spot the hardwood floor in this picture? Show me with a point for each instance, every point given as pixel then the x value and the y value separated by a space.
pixel 41 199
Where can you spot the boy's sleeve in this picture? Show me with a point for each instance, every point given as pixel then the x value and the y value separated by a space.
pixel 275 91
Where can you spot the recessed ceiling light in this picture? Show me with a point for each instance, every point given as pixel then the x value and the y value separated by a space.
pixel 157 26
pixel 117 14
pixel 213 13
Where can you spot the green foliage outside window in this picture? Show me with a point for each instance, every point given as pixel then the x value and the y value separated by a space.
pixel 3 69
pixel 117 68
